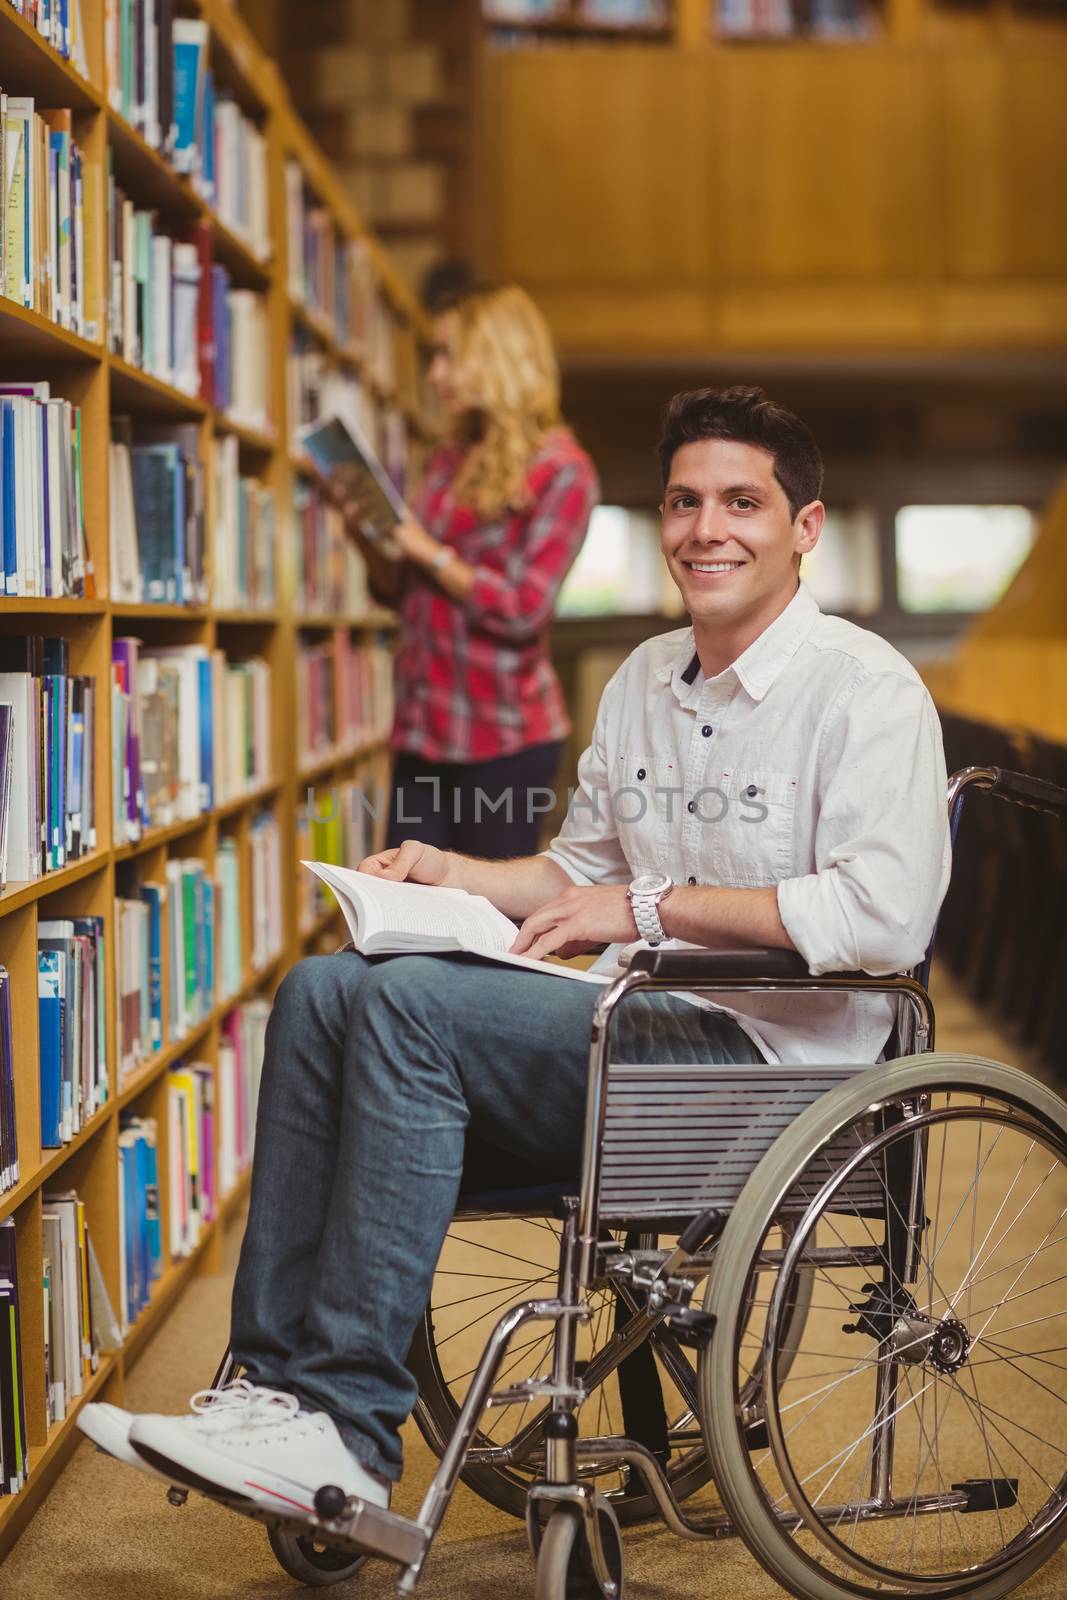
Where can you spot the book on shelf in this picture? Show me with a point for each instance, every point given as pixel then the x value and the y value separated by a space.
pixel 139 61
pixel 51 818
pixel 59 22
pixel 9 1145
pixel 341 826
pixel 331 574
pixel 216 144
pixel 72 1024
pixel 190 908
pixel 244 564
pixel 155 285
pixel 139 975
pixel 266 885
pixel 344 693
pixel 230 957
pixel 191 1154
pixel 157 514
pixel 785 19
pixel 42 517
pixel 14 1443
pixel 79 1318
pixel 241 366
pixel 240 1065
pixel 140 1225
pixel 190 729
pixel 389 918
pixel 47 205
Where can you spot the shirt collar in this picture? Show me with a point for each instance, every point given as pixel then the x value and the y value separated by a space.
pixel 757 667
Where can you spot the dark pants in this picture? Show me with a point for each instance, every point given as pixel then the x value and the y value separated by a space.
pixel 492 809
pixel 374 1075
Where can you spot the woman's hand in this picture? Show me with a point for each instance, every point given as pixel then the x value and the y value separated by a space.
pixel 410 862
pixel 576 920
pixel 416 543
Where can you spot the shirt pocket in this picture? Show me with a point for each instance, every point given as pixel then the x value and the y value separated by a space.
pixel 755 842
pixel 646 803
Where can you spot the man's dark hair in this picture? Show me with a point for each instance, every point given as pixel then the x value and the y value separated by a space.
pixel 444 285
pixel 744 413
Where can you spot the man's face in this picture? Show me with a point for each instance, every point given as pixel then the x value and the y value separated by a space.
pixel 727 533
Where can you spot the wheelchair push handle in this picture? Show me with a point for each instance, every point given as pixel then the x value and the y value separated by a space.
pixel 1037 793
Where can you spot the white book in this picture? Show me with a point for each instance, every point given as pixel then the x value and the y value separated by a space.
pixel 161 301
pixel 388 918
pixel 23 842
pixel 53 1249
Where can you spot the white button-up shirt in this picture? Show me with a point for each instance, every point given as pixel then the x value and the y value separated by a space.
pixel 814 763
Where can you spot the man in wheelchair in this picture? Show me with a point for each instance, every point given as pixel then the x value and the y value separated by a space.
pixel 768 777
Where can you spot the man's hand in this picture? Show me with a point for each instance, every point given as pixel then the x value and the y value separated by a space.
pixel 577 920
pixel 410 862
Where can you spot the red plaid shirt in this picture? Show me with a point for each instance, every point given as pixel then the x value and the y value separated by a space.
pixel 473 677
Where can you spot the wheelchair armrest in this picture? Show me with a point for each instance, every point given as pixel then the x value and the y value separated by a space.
pixel 702 966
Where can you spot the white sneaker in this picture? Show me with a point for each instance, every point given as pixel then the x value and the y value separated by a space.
pixel 246 1443
pixel 109 1428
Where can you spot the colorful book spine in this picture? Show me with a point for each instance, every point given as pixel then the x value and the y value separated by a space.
pixel 239 1069
pixel 42 530
pixel 71 1007
pixel 140 1227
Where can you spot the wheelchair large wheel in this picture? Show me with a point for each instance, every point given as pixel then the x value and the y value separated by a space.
pixel 917 1439
pixel 487 1266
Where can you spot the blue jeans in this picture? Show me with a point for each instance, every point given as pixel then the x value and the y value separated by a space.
pixel 374 1074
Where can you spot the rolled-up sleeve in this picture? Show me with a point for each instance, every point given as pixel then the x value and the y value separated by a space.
pixel 587 846
pixel 882 854
pixel 514 601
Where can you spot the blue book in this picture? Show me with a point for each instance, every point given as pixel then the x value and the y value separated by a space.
pixel 153 1228
pixel 177 471
pixel 207 137
pixel 207 734
pixel 150 894
pixel 128 1153
pixel 50 1002
pixel 209 943
pixel 144 1259
pixel 190 62
pixel 7 495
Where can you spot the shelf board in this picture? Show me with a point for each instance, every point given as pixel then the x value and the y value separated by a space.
pixel 317 323
pixel 167 833
pixel 134 390
pixel 246 802
pixel 32 67
pixel 258 441
pixel 21 894
pixel 51 1161
pixel 36 605
pixel 250 618
pixel 46 1459
pixel 29 336
pixel 157 1063
pixel 330 621
pixel 324 765
pixel 148 609
pixel 247 270
pixel 146 176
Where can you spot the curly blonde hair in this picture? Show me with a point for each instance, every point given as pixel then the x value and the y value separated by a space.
pixel 507 379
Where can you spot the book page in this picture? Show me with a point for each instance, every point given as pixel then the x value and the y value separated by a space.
pixel 416 915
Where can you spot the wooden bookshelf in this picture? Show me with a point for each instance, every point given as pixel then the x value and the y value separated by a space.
pixel 103 385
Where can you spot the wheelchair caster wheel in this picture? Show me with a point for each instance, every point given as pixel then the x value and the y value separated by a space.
pixel 313 1564
pixel 564 1563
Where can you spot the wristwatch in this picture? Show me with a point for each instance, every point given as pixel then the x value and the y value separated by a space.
pixel 442 558
pixel 644 895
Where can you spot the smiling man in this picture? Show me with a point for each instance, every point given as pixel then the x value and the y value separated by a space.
pixel 766 777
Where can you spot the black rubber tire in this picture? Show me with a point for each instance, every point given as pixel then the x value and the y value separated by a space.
pixel 564 1565
pixel 315 1566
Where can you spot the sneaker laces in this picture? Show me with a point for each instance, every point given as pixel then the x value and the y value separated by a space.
pixel 247 1403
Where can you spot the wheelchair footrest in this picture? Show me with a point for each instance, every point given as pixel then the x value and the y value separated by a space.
pixel 536 1389
pixel 987 1494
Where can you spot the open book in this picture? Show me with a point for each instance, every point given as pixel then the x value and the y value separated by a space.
pixel 335 441
pixel 387 918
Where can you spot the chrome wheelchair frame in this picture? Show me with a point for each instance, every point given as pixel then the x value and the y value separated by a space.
pixel 572 1527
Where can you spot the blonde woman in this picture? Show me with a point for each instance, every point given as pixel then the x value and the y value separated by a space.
pixel 502 512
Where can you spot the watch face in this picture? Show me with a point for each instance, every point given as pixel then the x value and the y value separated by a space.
pixel 650 883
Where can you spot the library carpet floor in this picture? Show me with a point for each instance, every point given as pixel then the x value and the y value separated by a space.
pixel 106 1533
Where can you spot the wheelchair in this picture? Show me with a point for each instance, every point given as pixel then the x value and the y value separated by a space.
pixel 819 1308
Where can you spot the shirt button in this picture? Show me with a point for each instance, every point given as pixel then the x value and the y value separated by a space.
pixel 691 806
pixel 707 730
pixel 691 880
pixel 752 791
pixel 640 772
